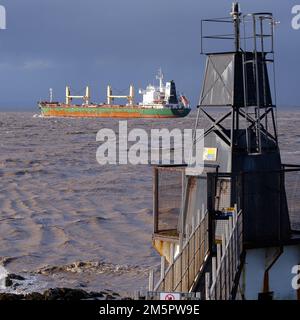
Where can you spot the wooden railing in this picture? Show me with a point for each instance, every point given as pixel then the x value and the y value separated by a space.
pixel 181 275
pixel 219 284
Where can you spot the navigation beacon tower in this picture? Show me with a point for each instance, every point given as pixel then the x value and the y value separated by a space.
pixel 244 137
pixel 230 229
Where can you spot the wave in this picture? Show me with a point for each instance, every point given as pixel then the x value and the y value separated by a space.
pixel 94 267
pixel 3 275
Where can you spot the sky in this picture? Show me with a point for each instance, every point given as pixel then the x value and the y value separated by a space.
pixel 54 43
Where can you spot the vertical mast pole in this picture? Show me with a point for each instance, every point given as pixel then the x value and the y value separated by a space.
pixel 235 13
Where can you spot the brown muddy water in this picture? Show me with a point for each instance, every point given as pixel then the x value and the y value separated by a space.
pixel 65 220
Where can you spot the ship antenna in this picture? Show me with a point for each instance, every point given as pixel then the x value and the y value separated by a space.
pixel 235 13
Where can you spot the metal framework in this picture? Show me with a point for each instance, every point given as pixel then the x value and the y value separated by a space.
pixel 253 36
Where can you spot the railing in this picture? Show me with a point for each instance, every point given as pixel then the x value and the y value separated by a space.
pixel 155 295
pixel 220 283
pixel 182 274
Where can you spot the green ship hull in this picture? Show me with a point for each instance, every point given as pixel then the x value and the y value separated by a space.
pixel 109 111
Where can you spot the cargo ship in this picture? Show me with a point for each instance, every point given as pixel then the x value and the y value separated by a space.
pixel 160 101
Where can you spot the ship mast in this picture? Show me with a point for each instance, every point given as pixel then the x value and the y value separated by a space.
pixel 160 77
pixel 51 94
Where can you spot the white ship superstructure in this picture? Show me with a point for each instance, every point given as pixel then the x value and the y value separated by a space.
pixel 163 96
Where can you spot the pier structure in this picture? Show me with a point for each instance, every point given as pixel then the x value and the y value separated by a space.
pixel 230 229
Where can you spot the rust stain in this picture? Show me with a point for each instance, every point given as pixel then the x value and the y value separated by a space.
pixel 266 287
pixel 192 183
pixel 56 113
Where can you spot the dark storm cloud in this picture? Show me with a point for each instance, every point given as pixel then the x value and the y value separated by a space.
pixel 51 43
